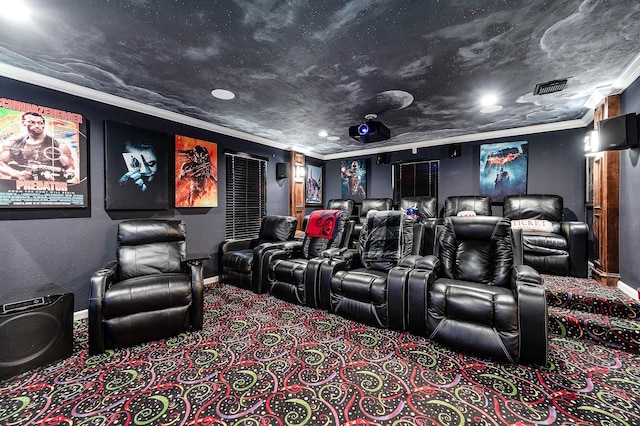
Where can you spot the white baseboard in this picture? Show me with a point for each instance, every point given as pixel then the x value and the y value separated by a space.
pixel 628 290
pixel 84 314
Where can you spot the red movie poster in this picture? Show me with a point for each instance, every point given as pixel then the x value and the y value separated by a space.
pixel 196 173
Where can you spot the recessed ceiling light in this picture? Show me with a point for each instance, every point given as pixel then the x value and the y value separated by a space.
pixel 223 94
pixel 491 108
pixel 488 100
pixel 16 10
pixel 323 134
pixel 333 138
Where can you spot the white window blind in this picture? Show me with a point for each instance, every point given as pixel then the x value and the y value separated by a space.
pixel 246 198
pixel 415 179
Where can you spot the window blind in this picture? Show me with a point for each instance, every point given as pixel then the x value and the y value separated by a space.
pixel 415 179
pixel 246 198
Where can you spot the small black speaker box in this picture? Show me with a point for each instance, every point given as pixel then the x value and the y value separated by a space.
pixel 282 170
pixel 455 150
pixel 382 158
pixel 36 328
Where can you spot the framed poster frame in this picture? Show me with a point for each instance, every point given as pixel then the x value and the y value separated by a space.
pixel 503 169
pixel 136 168
pixel 196 172
pixel 314 184
pixel 43 157
pixel 353 174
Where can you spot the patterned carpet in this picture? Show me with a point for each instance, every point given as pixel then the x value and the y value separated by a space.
pixel 261 361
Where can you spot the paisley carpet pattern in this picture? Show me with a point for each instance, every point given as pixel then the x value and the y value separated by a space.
pixel 262 361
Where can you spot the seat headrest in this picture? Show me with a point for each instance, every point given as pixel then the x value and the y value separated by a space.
pixel 375 204
pixel 479 204
pixel 278 228
pixel 341 204
pixel 426 207
pixel 533 206
pixel 324 223
pixel 145 231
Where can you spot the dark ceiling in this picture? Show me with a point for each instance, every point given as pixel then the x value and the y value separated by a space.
pixel 301 66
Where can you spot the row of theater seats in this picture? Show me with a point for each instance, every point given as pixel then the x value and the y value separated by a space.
pixel 473 293
pixel 552 245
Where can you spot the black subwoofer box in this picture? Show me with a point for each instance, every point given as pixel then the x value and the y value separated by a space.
pixel 36 328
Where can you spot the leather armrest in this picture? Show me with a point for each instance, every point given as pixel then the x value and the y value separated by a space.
pixel 532 315
pixel 197 293
pixel 233 245
pixel 577 235
pixel 419 280
pixel 101 280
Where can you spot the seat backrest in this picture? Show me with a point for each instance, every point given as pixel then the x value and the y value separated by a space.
pixel 341 204
pixel 386 237
pixel 539 207
pixel 276 228
pixel 480 205
pixel 374 204
pixel 150 246
pixel 325 229
pixel 426 207
pixel 477 249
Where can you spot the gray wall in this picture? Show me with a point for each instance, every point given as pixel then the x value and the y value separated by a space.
pixel 556 166
pixel 65 246
pixel 629 244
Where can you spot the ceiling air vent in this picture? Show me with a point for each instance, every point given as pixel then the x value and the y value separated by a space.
pixel 550 87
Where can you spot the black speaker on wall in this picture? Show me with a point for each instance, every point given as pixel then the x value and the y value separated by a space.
pixel 282 170
pixel 455 150
pixel 382 158
pixel 36 328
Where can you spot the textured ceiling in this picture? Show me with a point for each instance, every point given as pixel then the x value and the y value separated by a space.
pixel 301 66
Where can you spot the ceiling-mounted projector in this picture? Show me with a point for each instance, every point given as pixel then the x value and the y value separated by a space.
pixel 370 131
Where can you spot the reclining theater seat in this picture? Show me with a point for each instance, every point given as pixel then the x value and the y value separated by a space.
pixel 474 295
pixel 242 261
pixel 149 292
pixel 426 214
pixel 367 284
pixel 345 204
pixel 367 205
pixel 551 246
pixel 293 270
pixel 480 205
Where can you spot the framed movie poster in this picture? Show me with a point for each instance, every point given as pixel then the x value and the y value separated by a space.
pixel 354 179
pixel 313 185
pixel 136 168
pixel 196 172
pixel 503 169
pixel 43 157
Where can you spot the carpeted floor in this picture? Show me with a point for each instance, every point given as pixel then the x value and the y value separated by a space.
pixel 261 361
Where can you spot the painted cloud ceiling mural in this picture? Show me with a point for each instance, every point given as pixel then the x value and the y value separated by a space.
pixel 301 66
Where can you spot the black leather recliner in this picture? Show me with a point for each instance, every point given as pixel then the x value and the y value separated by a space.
pixel 150 292
pixel 551 245
pixel 367 205
pixel 480 205
pixel 345 204
pixel 427 213
pixel 242 261
pixel 367 284
pixel 293 270
pixel 475 295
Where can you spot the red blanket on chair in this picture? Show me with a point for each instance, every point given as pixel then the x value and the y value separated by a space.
pixel 323 224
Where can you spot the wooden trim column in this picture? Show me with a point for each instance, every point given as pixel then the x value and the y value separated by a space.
pixel 606 199
pixel 296 188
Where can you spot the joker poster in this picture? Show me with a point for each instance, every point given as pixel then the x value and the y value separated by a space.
pixel 503 169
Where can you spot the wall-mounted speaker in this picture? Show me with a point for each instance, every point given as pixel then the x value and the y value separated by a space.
pixel 36 328
pixel 455 150
pixel 282 170
pixel 382 158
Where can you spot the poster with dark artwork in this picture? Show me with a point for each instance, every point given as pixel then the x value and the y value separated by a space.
pixel 313 185
pixel 196 172
pixel 136 168
pixel 354 179
pixel 503 169
pixel 43 157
